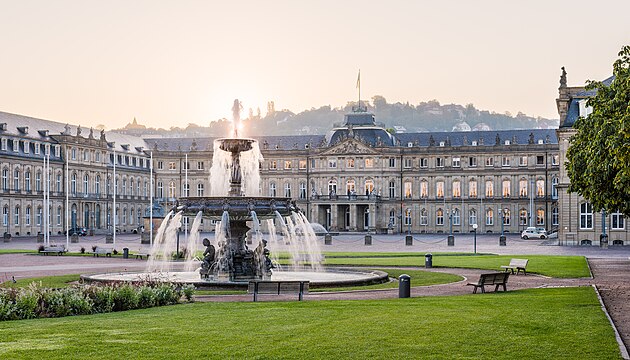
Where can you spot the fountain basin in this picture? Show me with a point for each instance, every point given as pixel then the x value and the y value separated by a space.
pixel 338 277
pixel 239 208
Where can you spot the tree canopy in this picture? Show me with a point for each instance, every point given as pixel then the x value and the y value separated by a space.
pixel 598 159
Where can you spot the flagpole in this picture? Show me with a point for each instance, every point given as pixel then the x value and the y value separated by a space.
pixel 48 197
pixel 115 188
pixel 187 195
pixel 67 201
pixel 151 202
pixel 44 203
pixel 359 87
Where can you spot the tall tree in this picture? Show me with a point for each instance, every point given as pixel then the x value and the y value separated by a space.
pixel 598 159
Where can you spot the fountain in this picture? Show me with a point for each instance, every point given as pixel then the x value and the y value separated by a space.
pixel 238 211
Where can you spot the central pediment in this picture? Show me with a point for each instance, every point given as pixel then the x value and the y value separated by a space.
pixel 350 147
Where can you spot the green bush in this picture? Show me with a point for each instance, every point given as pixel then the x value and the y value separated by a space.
pixel 26 303
pixel 102 298
pixel 189 291
pixel 125 298
pixel 146 297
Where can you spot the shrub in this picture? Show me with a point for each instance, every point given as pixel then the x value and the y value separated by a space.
pixel 94 248
pixel 147 297
pixel 52 304
pixel 82 250
pixel 166 295
pixel 26 302
pixel 7 309
pixel 115 252
pixel 40 248
pixel 125 298
pixel 189 291
pixel 102 298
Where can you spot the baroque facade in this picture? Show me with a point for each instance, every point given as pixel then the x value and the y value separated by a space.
pixel 358 177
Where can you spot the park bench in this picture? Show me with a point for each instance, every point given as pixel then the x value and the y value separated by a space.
pixel 278 288
pixel 103 251
pixel 54 249
pixel 141 255
pixel 496 279
pixel 517 265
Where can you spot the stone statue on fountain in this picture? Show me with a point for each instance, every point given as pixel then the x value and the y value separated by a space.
pixel 209 260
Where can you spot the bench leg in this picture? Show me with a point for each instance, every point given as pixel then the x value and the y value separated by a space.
pixel 255 292
pixel 504 287
pixel 483 289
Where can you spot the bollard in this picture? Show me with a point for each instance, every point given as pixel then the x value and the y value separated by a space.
pixel 408 240
pixel 428 261
pixel 404 286
pixel 327 239
pixel 451 240
pixel 368 239
pixel 109 239
pixel 125 253
pixel 603 241
pixel 502 240
pixel 74 238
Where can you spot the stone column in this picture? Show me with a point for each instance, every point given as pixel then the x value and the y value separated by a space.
pixel 353 217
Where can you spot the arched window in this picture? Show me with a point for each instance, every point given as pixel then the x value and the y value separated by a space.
pixel 97 185
pixel 131 216
pixel 457 189
pixel 439 189
pixel 39 216
pixel 27 214
pixel 586 216
pixel 5 179
pixel 272 189
pixel 408 190
pixel 506 216
pixel 58 186
pixel 554 188
pixel 506 188
pixel 332 187
pixel 489 189
pixel 472 188
pixel 302 190
pixel 540 188
pixel 27 180
pixel 160 189
pixel 350 187
pixel 522 217
pixel 522 188
pixel 439 217
pixel 124 187
pixel 392 218
pixel 171 189
pixel 16 180
pixel 38 181
pixel 369 187
pixel 472 216
pixel 146 188
pixel 540 217
pixel 5 215
pixel 489 217
pixel 131 183
pixel 392 189
pixel 287 190
pixel 424 189
pixel 86 184
pixel 186 189
pixel 554 216
pixel 424 217
pixel 73 184
pixel 124 216
pixel 16 216
pixel 138 182
pixel 59 215
pixel 456 217
pixel 408 217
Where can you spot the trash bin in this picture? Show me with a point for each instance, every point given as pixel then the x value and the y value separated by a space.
pixel 603 241
pixel 409 240
pixel 368 239
pixel 451 240
pixel 327 239
pixel 428 260
pixel 404 286
pixel 502 240
pixel 125 253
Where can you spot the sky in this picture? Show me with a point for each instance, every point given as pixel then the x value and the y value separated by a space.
pixel 171 63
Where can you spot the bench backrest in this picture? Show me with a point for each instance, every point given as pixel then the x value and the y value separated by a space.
pixel 494 278
pixel 277 287
pixel 521 263
pixel 55 248
pixel 102 250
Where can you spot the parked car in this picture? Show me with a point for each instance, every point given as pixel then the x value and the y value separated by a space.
pixel 532 232
pixel 138 230
pixel 81 231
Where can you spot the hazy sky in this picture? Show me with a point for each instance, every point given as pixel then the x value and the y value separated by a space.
pixel 170 63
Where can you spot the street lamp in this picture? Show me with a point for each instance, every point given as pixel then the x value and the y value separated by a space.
pixel 451 238
pixel 504 214
pixel 474 226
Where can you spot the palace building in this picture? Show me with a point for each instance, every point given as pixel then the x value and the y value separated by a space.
pixel 357 177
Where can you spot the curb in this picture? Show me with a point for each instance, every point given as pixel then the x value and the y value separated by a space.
pixel 622 347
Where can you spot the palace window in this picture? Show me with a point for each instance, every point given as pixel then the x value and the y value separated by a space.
pixel 302 190
pixel 424 189
pixel 472 161
pixel 472 189
pixel 489 217
pixel 522 188
pixel 408 163
pixel 200 189
pixel 457 191
pixel 522 160
pixel 586 216
pixel 408 190
pixel 350 163
pixel 392 189
pixel 369 163
pixel 554 216
pixel 369 187
pixel 456 162
pixel 489 161
pixel 288 164
pixel 408 217
pixel 439 162
pixel 540 188
pixel 506 188
pixel 424 217
pixel 172 165
pixel 332 163
pixel 424 162
pixel 489 188
pixel 456 217
pixel 351 187
pixel 439 189
pixel 616 221
pixel 273 165
pixel 302 164
pixel 439 217
pixel 554 188
pixel 392 162
pixel 272 189
pixel 472 216
pixel 505 161
pixel 522 217
pixel 540 217
pixel 287 190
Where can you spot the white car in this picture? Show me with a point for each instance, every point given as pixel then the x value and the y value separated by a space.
pixel 532 232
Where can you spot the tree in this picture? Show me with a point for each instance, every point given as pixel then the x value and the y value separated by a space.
pixel 598 158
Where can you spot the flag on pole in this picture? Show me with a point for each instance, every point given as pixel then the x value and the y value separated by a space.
pixel 359 80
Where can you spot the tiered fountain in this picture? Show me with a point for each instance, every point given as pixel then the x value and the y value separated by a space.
pixel 238 210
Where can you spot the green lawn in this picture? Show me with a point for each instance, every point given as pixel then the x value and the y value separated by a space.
pixel 17 251
pixel 561 323
pixel 58 281
pixel 549 265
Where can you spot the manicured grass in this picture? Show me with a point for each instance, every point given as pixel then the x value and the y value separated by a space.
pixel 17 251
pixel 560 323
pixel 549 265
pixel 58 281
pixel 418 278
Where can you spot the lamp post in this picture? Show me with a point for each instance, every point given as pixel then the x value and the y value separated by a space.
pixel 603 238
pixel 504 214
pixel 451 238
pixel 474 226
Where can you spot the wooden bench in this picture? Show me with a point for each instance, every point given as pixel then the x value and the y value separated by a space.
pixel 141 255
pixel 54 249
pixel 278 288
pixel 103 251
pixel 516 264
pixel 496 279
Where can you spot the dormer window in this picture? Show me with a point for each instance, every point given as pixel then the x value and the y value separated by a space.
pixel 474 143
pixel 507 142
pixel 16 145
pixel 36 146
pixel 4 145
pixel 410 144
pixel 441 143
pixel 540 141
pixel 584 109
pixel 27 147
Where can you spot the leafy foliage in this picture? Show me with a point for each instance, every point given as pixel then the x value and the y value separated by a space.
pixel 599 154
